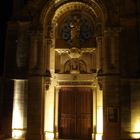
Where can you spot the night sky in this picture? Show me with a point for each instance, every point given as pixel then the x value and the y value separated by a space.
pixel 5 14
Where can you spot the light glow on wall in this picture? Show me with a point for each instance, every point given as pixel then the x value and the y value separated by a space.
pixel 135 112
pixel 19 110
pixel 99 120
pixel 137 126
pixel 49 135
pixel 136 129
pixel 99 129
pixel 16 134
pixel 49 113
pixel 98 136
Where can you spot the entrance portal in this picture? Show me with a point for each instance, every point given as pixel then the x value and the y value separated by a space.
pixel 75 113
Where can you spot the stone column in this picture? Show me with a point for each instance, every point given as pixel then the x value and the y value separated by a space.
pixel 49 94
pixel 49 112
pixel 99 113
pixel 61 63
pixel 52 61
pixel 99 53
pixel 111 107
pixel 35 109
pixel 49 98
pixel 111 85
pixel 40 53
pixel 33 52
pixel 22 50
pixel 47 44
pixel 116 48
pixel 56 111
pixel 36 53
pixel 49 48
pixel 94 113
pixel 111 50
pixel 19 109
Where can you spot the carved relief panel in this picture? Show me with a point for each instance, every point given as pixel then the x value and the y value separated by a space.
pixel 83 61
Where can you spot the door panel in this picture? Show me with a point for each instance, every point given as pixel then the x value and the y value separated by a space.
pixel 84 113
pixel 75 113
pixel 67 114
pixel 84 130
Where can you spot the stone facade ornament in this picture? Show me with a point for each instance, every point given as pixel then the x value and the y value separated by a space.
pixel 75 66
pixel 74 53
pixel 47 79
pixel 75 31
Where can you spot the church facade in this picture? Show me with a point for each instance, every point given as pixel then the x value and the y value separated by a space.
pixel 72 70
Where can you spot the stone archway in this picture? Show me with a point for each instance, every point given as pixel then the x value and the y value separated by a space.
pixel 51 25
pixel 52 15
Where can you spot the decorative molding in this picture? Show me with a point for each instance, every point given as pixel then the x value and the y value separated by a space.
pixel 82 50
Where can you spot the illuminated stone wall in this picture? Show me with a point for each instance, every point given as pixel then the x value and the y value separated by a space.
pixel 32 38
pixel 135 112
pixel 19 109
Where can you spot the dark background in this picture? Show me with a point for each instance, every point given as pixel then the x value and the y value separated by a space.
pixel 5 15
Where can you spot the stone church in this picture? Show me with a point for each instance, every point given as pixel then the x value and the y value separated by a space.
pixel 72 70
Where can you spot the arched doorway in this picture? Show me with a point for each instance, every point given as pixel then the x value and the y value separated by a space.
pixel 73 64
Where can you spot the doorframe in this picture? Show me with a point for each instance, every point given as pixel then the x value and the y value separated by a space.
pixel 90 91
pixel 94 108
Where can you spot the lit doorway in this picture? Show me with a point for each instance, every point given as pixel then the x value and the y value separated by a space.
pixel 75 113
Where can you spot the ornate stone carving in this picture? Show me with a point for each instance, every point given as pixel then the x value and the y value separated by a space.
pixel 100 83
pixel 81 51
pixel 47 79
pixel 74 53
pixel 49 43
pixel 75 31
pixel 50 31
pixel 83 6
pixel 75 66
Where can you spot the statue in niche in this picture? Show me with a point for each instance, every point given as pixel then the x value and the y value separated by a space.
pixel 75 31
pixel 75 66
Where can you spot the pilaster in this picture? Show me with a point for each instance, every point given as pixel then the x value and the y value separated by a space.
pixel 36 64
pixel 35 109
pixel 99 113
pixel 57 111
pixel 49 112
pixel 110 82
pixel 111 107
pixel 22 47
pixel 99 53
pixel 110 50
pixel 19 109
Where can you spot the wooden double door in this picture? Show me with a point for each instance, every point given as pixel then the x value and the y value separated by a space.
pixel 75 113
